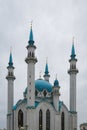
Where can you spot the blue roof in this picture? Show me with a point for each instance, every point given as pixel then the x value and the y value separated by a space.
pixel 56 83
pixel 10 60
pixel 31 41
pixel 23 101
pixel 41 84
pixel 73 52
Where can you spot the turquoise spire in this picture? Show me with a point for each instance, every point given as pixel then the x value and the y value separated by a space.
pixel 10 60
pixel 56 82
pixel 46 75
pixel 31 41
pixel 73 51
pixel 46 69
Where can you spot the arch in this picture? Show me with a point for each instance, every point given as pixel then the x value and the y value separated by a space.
pixel 45 93
pixel 20 118
pixel 48 120
pixel 84 128
pixel 40 120
pixel 62 121
pixel 72 66
pixel 32 54
pixel 36 93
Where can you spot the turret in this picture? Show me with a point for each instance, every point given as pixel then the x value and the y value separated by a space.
pixel 31 61
pixel 73 72
pixel 46 73
pixel 56 94
pixel 10 78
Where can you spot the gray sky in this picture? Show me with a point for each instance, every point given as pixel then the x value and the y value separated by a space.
pixel 55 22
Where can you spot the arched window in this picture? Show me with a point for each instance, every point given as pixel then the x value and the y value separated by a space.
pixel 47 120
pixel 84 128
pixel 45 93
pixel 32 54
pixel 40 120
pixel 62 121
pixel 36 92
pixel 20 118
pixel 72 66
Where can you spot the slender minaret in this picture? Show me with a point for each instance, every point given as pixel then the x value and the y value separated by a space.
pixel 73 72
pixel 46 73
pixel 31 60
pixel 10 78
pixel 56 94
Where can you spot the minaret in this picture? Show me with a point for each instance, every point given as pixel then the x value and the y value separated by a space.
pixel 31 60
pixel 56 94
pixel 46 73
pixel 73 72
pixel 10 78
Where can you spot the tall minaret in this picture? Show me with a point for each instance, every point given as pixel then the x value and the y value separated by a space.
pixel 73 72
pixel 31 60
pixel 46 75
pixel 10 78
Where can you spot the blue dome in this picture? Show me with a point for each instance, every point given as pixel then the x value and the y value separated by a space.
pixel 56 83
pixel 41 84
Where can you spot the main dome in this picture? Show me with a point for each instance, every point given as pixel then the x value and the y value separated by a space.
pixel 41 85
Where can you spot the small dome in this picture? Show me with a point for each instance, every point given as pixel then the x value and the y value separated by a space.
pixel 41 85
pixel 56 83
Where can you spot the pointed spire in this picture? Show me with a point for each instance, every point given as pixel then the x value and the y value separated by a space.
pixel 73 50
pixel 46 68
pixel 10 59
pixel 31 41
pixel 46 75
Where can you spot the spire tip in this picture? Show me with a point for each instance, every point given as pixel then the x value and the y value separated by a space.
pixel 31 41
pixel 73 40
pixel 31 24
pixel 10 58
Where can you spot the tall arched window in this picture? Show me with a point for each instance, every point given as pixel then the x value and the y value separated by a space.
pixel 62 121
pixel 84 128
pixel 36 93
pixel 20 118
pixel 47 120
pixel 40 120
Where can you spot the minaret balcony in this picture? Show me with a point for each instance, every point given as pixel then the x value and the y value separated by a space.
pixel 31 60
pixel 10 77
pixel 56 94
pixel 31 46
pixel 56 91
pixel 73 71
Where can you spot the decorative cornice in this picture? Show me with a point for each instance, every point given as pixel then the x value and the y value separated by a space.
pixel 10 77
pixel 30 107
pixel 73 71
pixel 31 46
pixel 31 59
pixel 73 112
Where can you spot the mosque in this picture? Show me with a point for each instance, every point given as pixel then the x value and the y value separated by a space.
pixel 41 107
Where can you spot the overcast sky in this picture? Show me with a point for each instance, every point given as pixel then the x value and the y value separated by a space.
pixel 55 22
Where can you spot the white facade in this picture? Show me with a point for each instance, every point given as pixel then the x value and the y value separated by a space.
pixel 41 108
